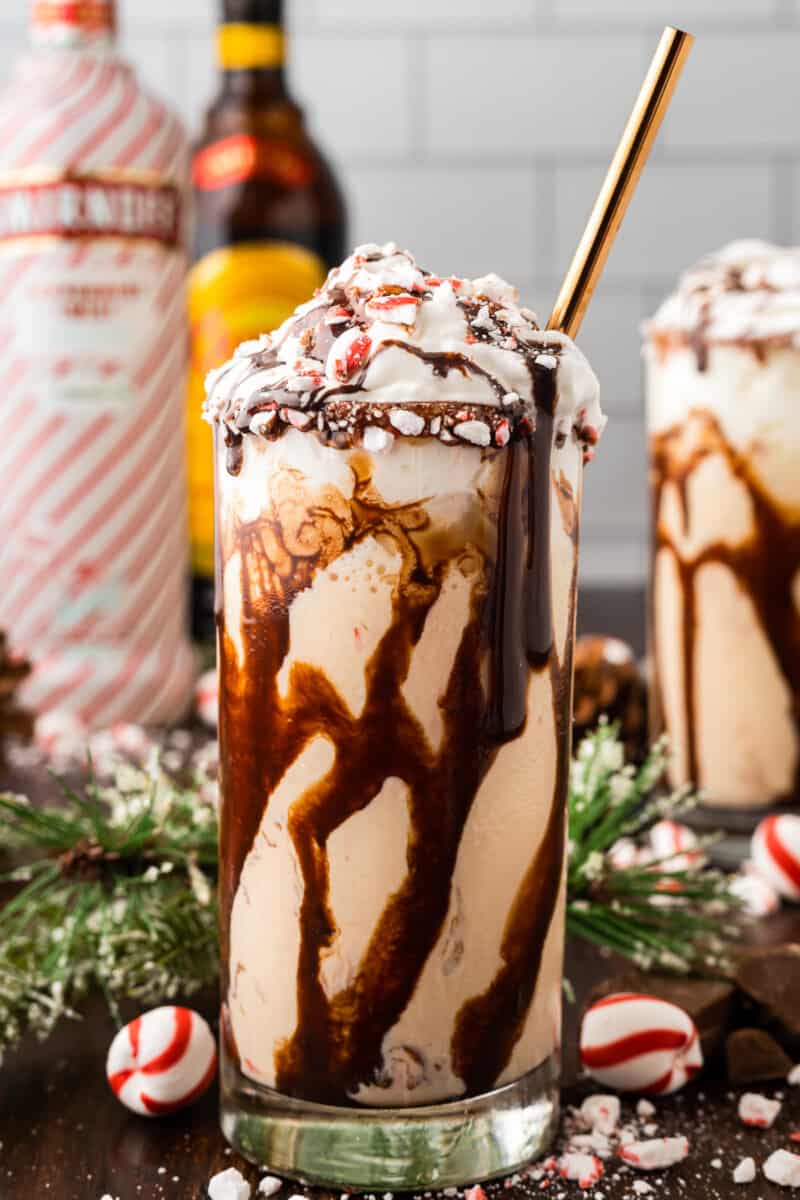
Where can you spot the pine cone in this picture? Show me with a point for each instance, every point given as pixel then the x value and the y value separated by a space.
pixel 14 720
pixel 608 683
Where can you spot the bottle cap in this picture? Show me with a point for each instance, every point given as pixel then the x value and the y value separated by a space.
pixel 67 20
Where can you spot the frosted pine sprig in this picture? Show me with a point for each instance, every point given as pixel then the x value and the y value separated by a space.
pixel 120 895
pixel 659 917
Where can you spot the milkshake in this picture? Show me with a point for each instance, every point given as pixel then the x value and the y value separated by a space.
pixel 723 391
pixel 398 479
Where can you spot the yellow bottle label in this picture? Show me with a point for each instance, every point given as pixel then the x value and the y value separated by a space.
pixel 235 293
pixel 245 47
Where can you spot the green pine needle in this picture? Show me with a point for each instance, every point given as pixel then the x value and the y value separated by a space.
pixel 659 917
pixel 119 890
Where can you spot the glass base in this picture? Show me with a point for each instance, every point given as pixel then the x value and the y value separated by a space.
pixel 440 1145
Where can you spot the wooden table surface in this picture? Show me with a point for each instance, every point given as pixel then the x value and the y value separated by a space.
pixel 63 1134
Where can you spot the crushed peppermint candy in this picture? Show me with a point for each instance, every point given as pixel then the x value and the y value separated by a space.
pixel 270 1185
pixel 793 1078
pixel 408 423
pixel 597 1142
pixel 229 1185
pixel 783 1168
pixel 303 383
pixel 348 354
pixel 758 1111
pixel 583 1169
pixel 475 1193
pixel 655 1154
pixel 483 319
pixel 396 309
pixel 744 1171
pixel 377 440
pixel 262 421
pixel 502 434
pixel 601 1113
pixel 645 1109
pixel 297 418
pixel 477 432
pixel 642 1188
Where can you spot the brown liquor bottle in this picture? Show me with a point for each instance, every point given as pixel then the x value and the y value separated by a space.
pixel 269 223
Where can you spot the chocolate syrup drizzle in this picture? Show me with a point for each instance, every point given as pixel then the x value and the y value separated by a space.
pixel 764 566
pixel 337 1044
pixel 703 336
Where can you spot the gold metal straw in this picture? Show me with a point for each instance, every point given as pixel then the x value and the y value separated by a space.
pixel 620 182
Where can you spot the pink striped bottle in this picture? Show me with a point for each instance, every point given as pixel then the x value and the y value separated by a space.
pixel 92 358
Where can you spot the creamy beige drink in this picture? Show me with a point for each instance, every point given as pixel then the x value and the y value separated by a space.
pixel 398 487
pixel 723 366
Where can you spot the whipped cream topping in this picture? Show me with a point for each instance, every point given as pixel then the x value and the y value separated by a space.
pixel 386 348
pixel 748 291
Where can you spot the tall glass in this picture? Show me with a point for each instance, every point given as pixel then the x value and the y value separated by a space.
pixel 395 645
pixel 723 393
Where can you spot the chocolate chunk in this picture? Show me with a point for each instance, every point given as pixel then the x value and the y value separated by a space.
pixel 770 977
pixel 708 1002
pixel 753 1056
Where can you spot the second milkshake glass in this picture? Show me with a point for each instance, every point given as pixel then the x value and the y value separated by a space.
pixel 396 606
pixel 723 371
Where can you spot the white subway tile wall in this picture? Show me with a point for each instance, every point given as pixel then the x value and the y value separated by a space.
pixel 654 13
pixel 477 133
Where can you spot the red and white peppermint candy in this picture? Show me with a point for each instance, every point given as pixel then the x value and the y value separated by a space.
pixel 397 309
pixel 348 354
pixel 162 1061
pixel 583 1169
pixel 206 698
pixel 758 898
pixel 601 1113
pixel 475 1193
pixel 625 853
pixel 594 1143
pixel 435 281
pixel 655 1154
pixel 638 1043
pixel 757 1110
pixel 775 851
pixel 306 376
pixel 675 845
pixel 783 1168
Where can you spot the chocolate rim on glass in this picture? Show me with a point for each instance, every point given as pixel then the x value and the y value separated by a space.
pixel 398 481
